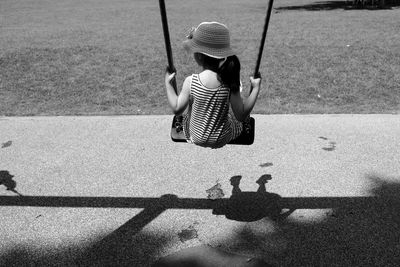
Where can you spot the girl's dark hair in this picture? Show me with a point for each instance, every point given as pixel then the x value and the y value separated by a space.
pixel 228 72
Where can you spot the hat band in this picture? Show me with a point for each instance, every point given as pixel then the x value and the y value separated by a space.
pixel 211 45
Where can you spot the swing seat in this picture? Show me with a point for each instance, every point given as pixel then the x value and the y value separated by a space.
pixel 245 138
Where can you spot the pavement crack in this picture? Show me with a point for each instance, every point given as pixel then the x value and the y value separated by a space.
pixel 215 192
pixel 188 234
pixel 267 164
pixel 331 144
pixel 6 144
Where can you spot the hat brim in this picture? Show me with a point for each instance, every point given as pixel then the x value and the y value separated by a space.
pixel 191 46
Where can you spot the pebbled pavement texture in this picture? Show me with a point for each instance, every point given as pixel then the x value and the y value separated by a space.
pixel 116 191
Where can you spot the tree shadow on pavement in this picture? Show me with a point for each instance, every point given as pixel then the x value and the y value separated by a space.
pixel 357 230
pixel 138 250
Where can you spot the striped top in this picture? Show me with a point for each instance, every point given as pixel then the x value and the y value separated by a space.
pixel 207 120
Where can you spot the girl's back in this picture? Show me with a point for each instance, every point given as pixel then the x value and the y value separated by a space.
pixel 209 108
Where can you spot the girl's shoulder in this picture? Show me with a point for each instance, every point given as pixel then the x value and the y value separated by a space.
pixel 187 83
pixel 189 78
pixel 208 79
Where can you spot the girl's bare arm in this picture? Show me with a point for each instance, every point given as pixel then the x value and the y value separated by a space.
pixel 242 107
pixel 179 102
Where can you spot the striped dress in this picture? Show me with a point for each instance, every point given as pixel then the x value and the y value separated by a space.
pixel 208 122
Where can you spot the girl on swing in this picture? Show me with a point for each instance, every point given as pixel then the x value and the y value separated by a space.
pixel 206 96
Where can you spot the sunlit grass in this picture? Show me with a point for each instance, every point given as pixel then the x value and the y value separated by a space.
pixel 108 57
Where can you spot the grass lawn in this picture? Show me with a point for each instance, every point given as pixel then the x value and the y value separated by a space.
pixel 101 57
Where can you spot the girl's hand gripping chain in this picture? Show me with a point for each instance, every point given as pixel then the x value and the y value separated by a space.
pixel 169 77
pixel 255 81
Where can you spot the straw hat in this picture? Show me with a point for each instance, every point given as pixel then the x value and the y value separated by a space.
pixel 211 39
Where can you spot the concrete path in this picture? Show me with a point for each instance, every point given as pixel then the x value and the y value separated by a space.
pixel 92 191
